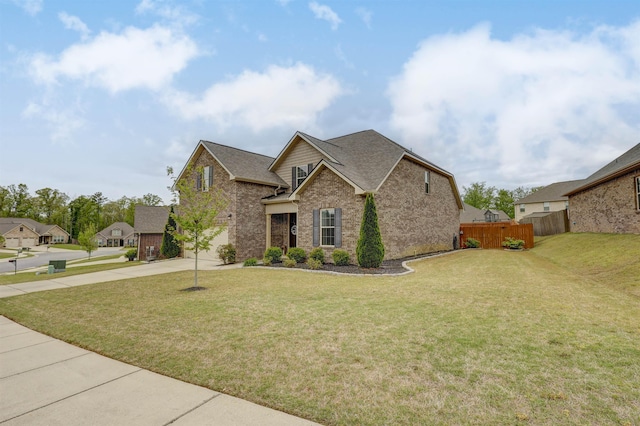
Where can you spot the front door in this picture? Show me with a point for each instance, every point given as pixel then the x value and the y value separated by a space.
pixel 293 229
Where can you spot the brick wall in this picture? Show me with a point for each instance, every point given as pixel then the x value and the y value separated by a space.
pixel 609 207
pixel 329 191
pixel 414 222
pixel 148 240
pixel 246 226
pixel 249 221
pixel 411 221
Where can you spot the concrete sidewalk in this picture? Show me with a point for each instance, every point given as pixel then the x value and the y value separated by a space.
pixel 154 268
pixel 44 381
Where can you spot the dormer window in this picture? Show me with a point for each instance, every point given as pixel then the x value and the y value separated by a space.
pixel 299 174
pixel 116 232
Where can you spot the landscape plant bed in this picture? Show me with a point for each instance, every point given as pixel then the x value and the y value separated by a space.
pixel 388 267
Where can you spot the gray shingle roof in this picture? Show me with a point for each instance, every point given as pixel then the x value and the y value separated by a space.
pixel 554 192
pixel 365 157
pixel 124 226
pixel 150 219
pixel 621 165
pixel 40 228
pixel 472 214
pixel 245 165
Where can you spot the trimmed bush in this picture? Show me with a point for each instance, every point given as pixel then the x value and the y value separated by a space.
pixel 252 261
pixel 266 261
pixel 273 254
pixel 472 243
pixel 370 250
pixel 317 254
pixel 513 244
pixel 314 263
pixel 340 257
pixel 227 253
pixel 131 254
pixel 289 263
pixel 170 247
pixel 298 254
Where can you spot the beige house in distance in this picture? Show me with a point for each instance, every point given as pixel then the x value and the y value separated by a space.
pixel 551 198
pixel 312 195
pixel 23 232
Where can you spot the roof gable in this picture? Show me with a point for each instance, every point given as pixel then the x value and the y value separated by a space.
pixel 124 226
pixel 621 165
pixel 553 192
pixel 150 219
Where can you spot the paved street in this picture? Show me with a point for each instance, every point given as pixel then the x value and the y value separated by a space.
pixel 41 257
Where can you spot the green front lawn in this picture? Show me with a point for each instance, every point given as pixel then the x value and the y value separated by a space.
pixel 477 337
pixel 24 277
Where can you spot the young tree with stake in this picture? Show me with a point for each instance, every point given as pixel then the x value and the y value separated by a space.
pixel 196 216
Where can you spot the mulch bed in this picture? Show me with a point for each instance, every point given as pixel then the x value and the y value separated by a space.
pixel 388 267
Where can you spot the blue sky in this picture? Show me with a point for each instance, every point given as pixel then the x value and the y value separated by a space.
pixel 102 95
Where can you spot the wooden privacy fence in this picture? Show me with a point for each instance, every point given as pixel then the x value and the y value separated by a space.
pixel 491 235
pixel 549 223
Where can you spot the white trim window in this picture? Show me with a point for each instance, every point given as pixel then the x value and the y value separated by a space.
pixel 301 174
pixel 522 208
pixel 327 227
pixel 207 178
pixel 427 182
pixel 116 233
pixel 637 192
pixel 546 206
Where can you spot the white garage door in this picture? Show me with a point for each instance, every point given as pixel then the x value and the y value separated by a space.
pixel 29 242
pixel 12 242
pixel 212 254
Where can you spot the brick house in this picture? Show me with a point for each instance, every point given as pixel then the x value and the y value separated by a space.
pixel 609 200
pixel 148 225
pixel 23 232
pixel 312 195
pixel 118 234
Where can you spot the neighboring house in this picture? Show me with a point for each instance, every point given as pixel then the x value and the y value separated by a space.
pixel 609 199
pixel 23 232
pixel 119 234
pixel 551 198
pixel 312 195
pixel 149 223
pixel 472 214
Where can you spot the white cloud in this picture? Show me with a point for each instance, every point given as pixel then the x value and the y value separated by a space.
pixel 74 23
pixel 175 14
pixel 32 7
pixel 62 121
pixel 322 11
pixel 135 58
pixel 280 96
pixel 262 38
pixel 343 57
pixel 538 108
pixel 365 15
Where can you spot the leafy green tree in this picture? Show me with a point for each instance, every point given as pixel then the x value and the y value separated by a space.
pixel 370 250
pixel 479 195
pixel 197 214
pixel 2 241
pixel 51 205
pixel 87 239
pixel 83 212
pixel 151 200
pixel 170 247
pixel 504 202
pixel 6 202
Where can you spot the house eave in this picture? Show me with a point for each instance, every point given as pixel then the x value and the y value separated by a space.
pixel 621 172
